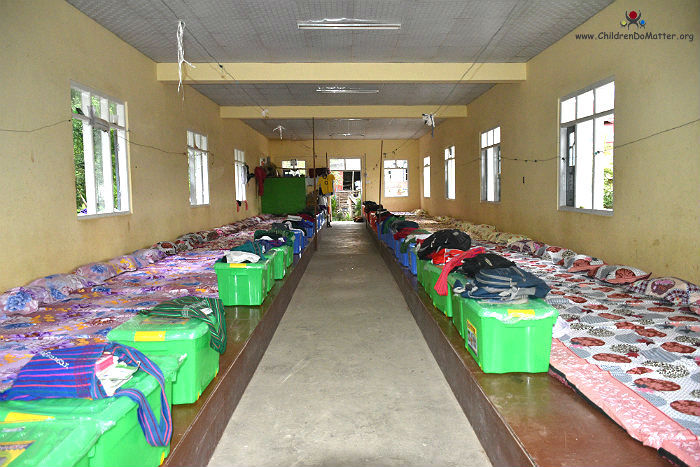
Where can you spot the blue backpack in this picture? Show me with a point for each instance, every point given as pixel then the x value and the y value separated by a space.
pixel 506 283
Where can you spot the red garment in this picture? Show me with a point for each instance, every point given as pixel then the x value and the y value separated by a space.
pixel 441 284
pixel 307 217
pixel 403 233
pixel 260 175
pixel 444 255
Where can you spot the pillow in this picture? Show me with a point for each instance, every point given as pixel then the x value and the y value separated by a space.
pixel 65 283
pixel 148 256
pixel 491 236
pixel 21 300
pixel 554 254
pixel 183 245
pixel 124 263
pixel 525 245
pixel 566 255
pixel 60 285
pixel 670 289
pixel 208 235
pixel 193 239
pixel 507 237
pixel 583 263
pixel 518 245
pixel 538 249
pixel 168 248
pixel 97 273
pixel 615 274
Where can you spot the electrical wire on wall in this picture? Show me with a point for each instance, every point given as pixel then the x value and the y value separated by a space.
pixel 123 138
pixel 617 146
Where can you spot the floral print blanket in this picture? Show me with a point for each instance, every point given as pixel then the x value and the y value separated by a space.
pixel 636 358
pixel 87 315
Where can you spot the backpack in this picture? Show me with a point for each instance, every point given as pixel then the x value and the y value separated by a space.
pixel 471 266
pixel 446 238
pixel 506 284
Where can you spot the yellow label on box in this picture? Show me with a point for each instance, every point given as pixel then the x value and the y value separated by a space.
pixel 149 336
pixel 236 265
pixel 472 338
pixel 13 417
pixel 521 313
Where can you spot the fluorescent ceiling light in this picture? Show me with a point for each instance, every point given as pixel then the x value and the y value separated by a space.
pixel 346 23
pixel 346 134
pixel 344 90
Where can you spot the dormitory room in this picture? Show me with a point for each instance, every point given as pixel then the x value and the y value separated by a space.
pixel 350 233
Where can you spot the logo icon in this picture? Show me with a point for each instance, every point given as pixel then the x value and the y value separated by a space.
pixel 633 17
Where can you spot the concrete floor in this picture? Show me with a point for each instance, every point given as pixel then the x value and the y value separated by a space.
pixel 348 379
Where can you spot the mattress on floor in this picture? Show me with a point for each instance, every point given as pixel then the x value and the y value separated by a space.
pixel 636 358
pixel 87 315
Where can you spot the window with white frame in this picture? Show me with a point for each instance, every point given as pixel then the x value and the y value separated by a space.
pixel 450 172
pixel 491 165
pixel 345 164
pixel 198 157
pixel 395 178
pixel 426 177
pixel 240 174
pixel 99 153
pixel 587 136
pixel 294 168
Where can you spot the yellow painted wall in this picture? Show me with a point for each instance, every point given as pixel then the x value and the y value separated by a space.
pixel 45 45
pixel 369 150
pixel 656 220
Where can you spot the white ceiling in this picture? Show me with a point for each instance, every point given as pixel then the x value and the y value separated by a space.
pixel 266 31
pixel 380 128
pixel 389 94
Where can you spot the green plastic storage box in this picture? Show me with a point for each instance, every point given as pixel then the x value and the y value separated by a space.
pixel 50 443
pixel 186 338
pixel 122 441
pixel 288 251
pixel 241 283
pixel 269 272
pixel 441 302
pixel 505 338
pixel 420 271
pixel 457 312
pixel 278 263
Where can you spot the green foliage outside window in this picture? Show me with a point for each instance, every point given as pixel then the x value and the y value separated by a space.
pixel 79 160
pixel 608 188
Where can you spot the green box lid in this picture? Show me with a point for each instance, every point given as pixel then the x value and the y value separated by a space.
pixel 46 443
pixel 533 309
pixel 144 328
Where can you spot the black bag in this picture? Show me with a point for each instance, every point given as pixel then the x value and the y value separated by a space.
pixel 471 266
pixel 447 238
pixel 398 225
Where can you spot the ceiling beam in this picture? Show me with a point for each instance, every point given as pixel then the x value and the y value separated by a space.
pixel 211 73
pixel 342 111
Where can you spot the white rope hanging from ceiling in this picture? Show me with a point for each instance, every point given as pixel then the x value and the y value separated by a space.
pixel 429 119
pixel 181 54
pixel 279 128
